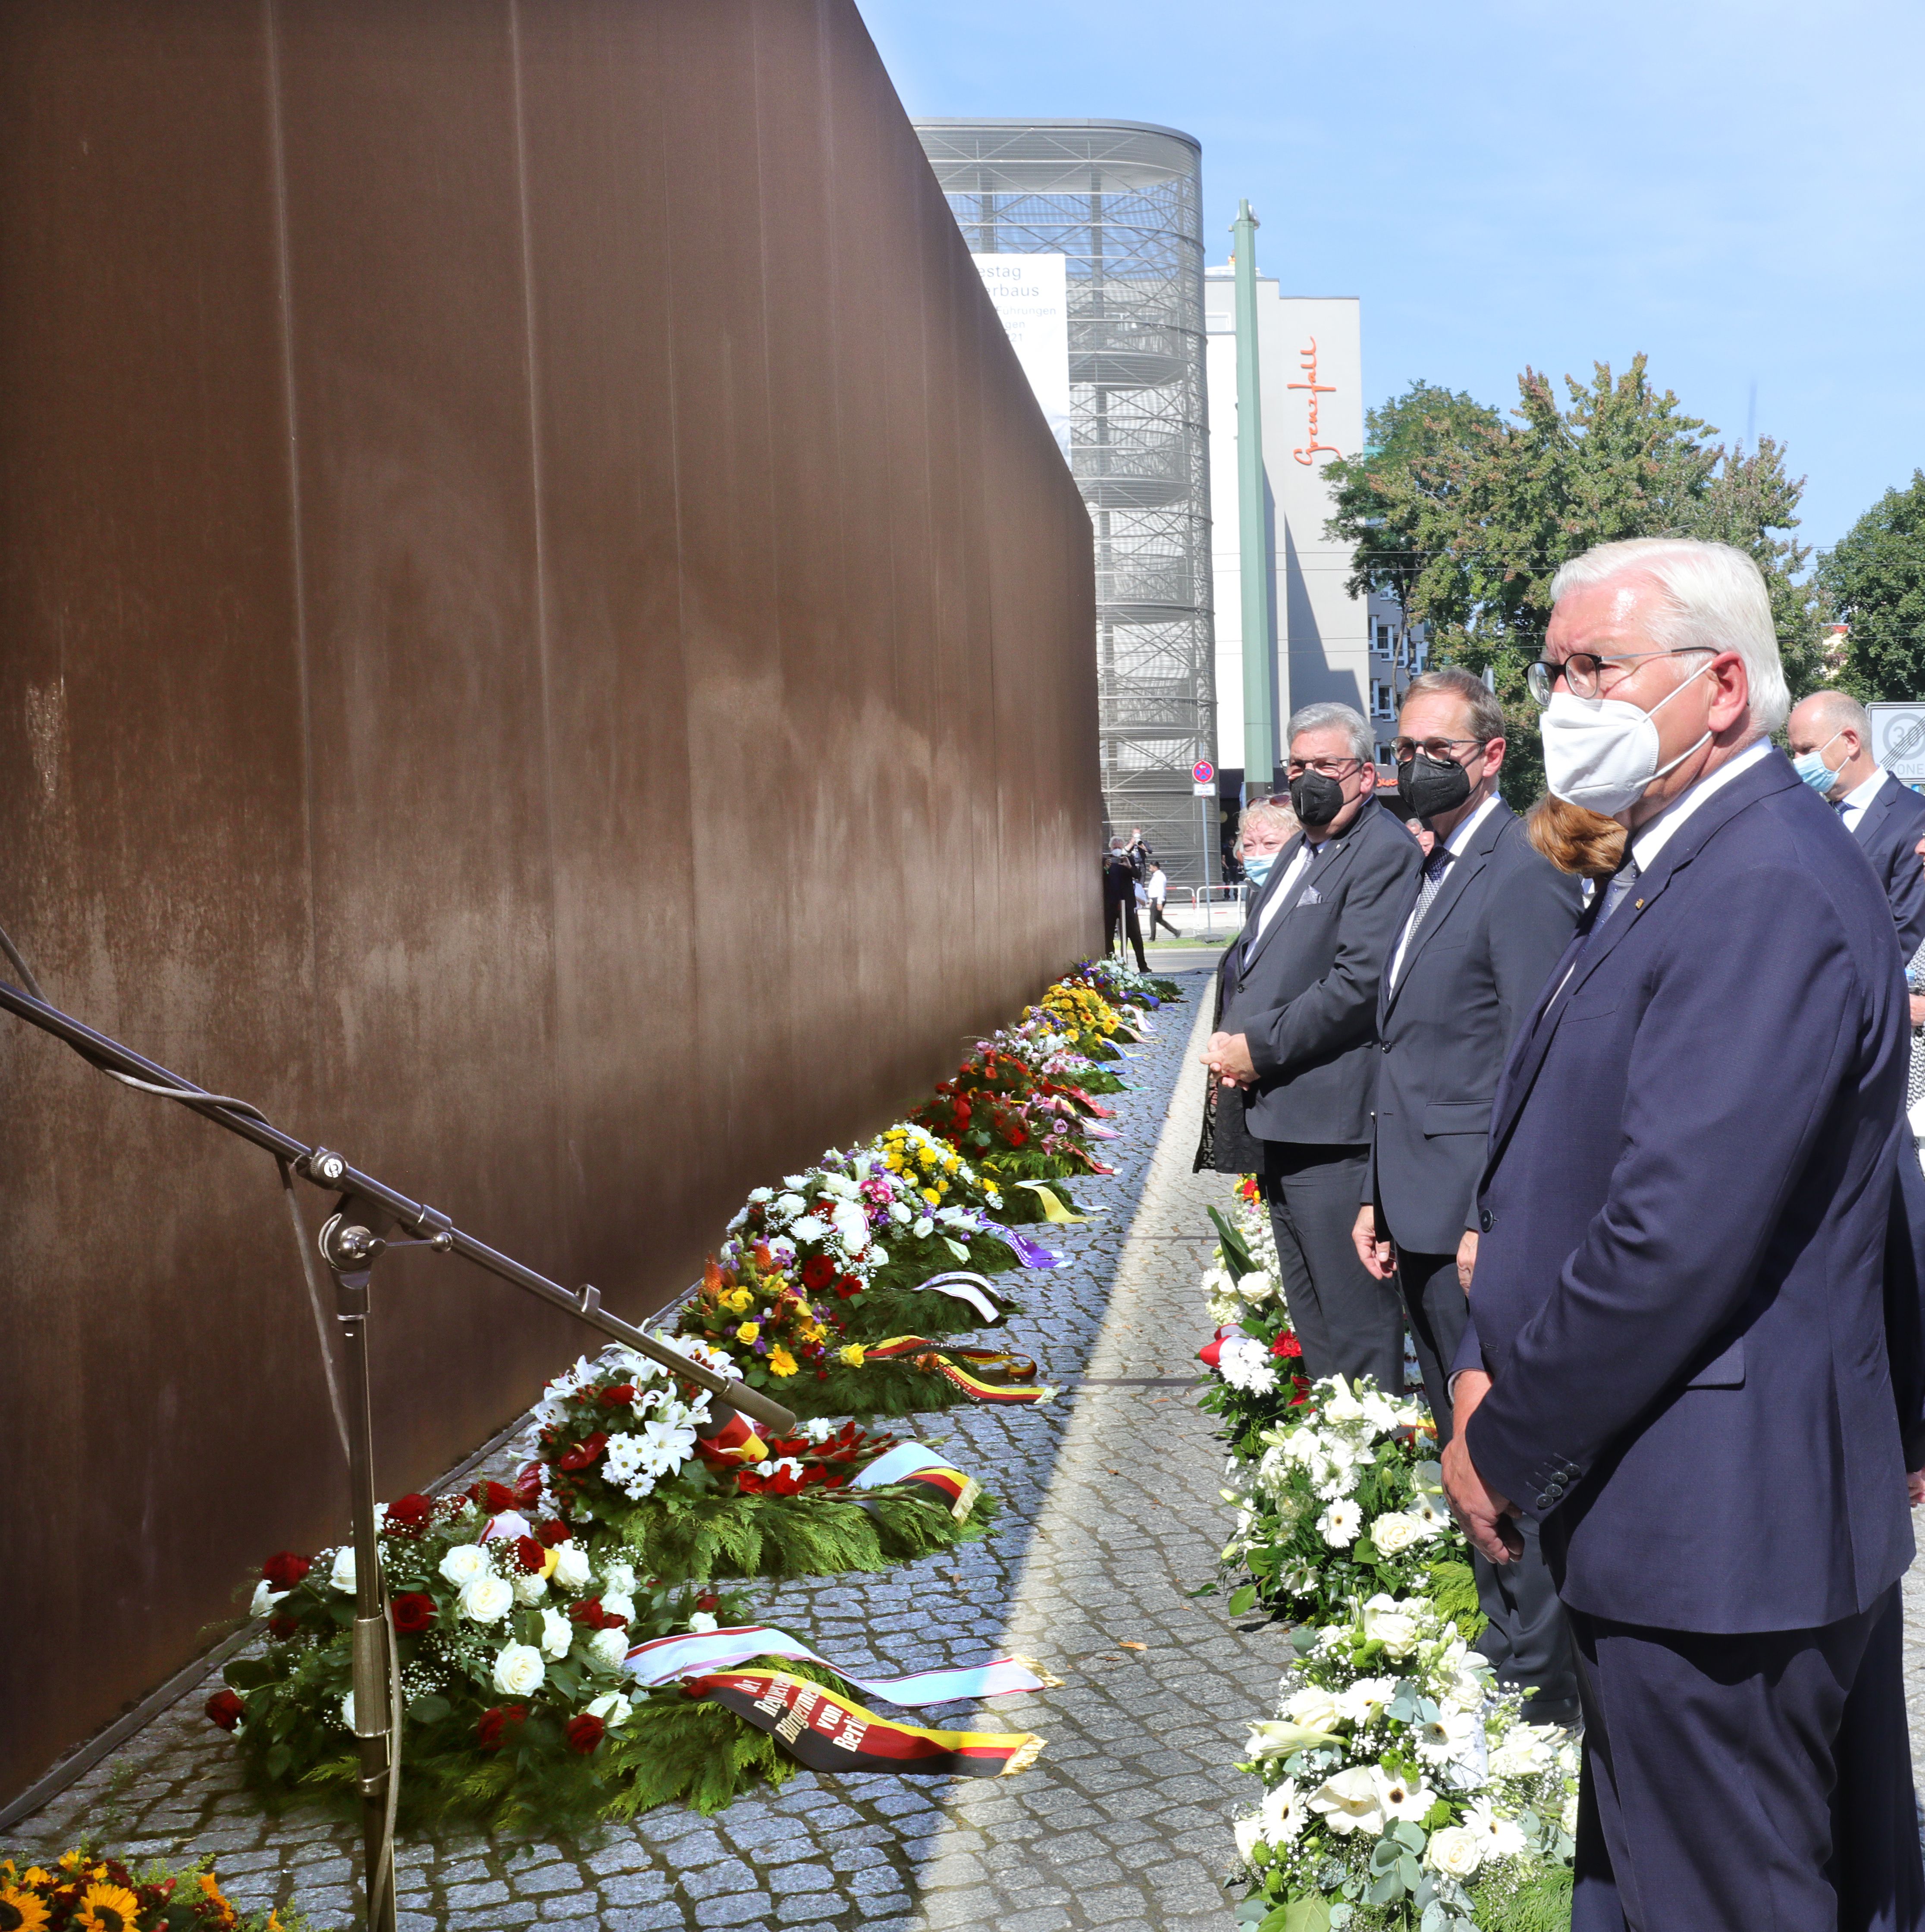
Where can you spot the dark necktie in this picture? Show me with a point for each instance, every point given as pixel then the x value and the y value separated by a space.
pixel 1436 866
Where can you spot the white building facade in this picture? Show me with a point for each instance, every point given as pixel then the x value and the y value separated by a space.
pixel 1327 645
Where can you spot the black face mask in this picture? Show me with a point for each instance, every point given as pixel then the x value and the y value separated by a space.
pixel 1428 785
pixel 1315 798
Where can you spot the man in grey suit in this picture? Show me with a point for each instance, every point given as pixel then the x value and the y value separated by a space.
pixel 1480 930
pixel 1298 1037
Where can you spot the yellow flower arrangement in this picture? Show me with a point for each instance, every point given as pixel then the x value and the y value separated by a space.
pixel 737 1300
pixel 749 1331
pixel 25 1913
pixel 106 1908
pixel 780 1362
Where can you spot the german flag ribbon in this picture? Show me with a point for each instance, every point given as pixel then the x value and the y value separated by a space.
pixel 827 1731
pixel 1021 1386
pixel 663 1660
pixel 911 1465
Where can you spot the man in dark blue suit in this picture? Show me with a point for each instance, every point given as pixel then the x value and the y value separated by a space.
pixel 1829 734
pixel 1482 927
pixel 1298 1035
pixel 1688 1356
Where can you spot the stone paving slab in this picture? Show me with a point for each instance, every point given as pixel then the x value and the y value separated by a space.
pixel 1111 1516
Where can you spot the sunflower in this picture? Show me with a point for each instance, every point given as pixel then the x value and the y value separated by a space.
pixel 106 1908
pixel 20 1911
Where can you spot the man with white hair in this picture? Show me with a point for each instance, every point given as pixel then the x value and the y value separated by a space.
pixel 1829 734
pixel 1693 1353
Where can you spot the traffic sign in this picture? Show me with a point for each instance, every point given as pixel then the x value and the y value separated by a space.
pixel 1898 740
pixel 1203 772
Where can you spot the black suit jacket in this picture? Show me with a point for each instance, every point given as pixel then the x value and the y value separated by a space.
pixel 1888 831
pixel 1473 971
pixel 1304 990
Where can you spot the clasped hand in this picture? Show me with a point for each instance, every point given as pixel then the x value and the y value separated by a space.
pixel 1227 1056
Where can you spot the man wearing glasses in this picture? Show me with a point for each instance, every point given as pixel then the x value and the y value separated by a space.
pixel 1298 1037
pixel 1693 1353
pixel 1482 929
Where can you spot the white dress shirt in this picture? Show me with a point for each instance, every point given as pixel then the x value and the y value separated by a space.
pixel 1648 844
pixel 1454 845
pixel 1852 806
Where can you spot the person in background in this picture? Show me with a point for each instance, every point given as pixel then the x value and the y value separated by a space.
pixel 1298 1037
pixel 1426 837
pixel 1829 734
pixel 1120 902
pixel 1156 889
pixel 1265 827
pixel 1484 925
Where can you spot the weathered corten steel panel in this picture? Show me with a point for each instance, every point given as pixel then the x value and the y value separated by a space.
pixel 545 640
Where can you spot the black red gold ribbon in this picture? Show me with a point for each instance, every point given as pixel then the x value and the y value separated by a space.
pixel 826 1731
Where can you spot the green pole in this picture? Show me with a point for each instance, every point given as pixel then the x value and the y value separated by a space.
pixel 1252 526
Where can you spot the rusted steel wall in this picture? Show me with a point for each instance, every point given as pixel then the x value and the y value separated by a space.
pixel 543 639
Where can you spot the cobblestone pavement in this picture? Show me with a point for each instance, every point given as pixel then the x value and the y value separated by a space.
pixel 1111 1518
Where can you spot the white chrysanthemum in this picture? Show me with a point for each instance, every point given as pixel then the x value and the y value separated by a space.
pixel 1405 1799
pixel 811 1228
pixel 558 1632
pixel 1497 1837
pixel 1454 1851
pixel 1218 1282
pixel 487 1599
pixel 519 1669
pixel 1244 1362
pixel 1363 1702
pixel 1339 1524
pixel 795 1183
pixel 571 1571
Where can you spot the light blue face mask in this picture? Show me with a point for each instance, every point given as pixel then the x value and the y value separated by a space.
pixel 1257 867
pixel 1811 766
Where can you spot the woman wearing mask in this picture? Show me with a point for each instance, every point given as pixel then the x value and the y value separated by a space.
pixel 1264 829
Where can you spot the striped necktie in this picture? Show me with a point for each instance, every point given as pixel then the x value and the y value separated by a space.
pixel 1436 866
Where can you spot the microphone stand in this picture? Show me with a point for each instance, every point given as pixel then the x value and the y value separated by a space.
pixel 354 1238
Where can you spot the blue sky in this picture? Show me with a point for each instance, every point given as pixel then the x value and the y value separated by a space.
pixel 1738 190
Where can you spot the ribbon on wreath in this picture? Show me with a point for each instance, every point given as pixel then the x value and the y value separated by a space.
pixel 1031 1254
pixel 961 1285
pixel 1020 1385
pixel 913 1465
pixel 664 1659
pixel 825 1731
pixel 1053 1209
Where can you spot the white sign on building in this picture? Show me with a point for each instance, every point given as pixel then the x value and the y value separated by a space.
pixel 1031 296
pixel 1311 361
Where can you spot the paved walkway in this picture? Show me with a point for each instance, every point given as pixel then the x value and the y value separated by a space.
pixel 1111 1516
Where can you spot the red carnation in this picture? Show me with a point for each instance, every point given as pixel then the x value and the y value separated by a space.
pixel 413 1611
pixel 553 1531
pixel 1286 1344
pixel 848 1285
pixel 226 1709
pixel 409 1514
pixel 492 1497
pixel 490 1729
pixel 284 1571
pixel 584 1732
pixel 283 1627
pixel 583 1453
pixel 619 1396
pixel 818 1271
pixel 530 1553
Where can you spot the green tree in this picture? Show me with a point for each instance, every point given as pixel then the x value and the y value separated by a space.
pixel 1874 582
pixel 1465 517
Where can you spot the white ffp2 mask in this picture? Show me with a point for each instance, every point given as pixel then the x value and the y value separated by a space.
pixel 1602 753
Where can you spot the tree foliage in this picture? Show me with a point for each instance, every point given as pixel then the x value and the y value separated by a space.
pixel 1465 517
pixel 1874 582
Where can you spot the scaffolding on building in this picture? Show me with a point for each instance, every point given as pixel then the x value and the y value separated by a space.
pixel 1122 202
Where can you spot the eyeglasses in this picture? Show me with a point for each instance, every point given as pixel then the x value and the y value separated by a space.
pixel 1331 768
pixel 1440 751
pixel 1583 671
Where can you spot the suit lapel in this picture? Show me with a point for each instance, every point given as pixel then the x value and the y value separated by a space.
pixel 1457 878
pixel 1570 974
pixel 1873 814
pixel 1325 865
